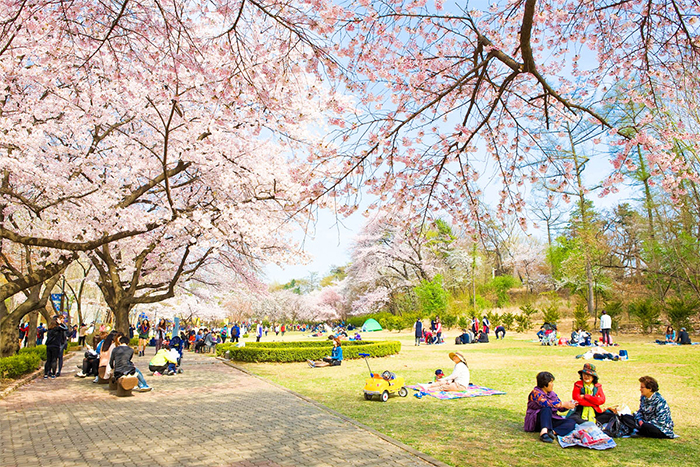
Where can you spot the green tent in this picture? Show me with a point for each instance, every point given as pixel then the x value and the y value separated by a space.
pixel 371 325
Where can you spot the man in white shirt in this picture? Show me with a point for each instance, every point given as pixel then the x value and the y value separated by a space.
pixel 605 326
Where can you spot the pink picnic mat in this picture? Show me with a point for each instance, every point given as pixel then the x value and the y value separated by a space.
pixel 472 391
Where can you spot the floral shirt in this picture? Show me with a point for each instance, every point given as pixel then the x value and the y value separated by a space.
pixel 538 399
pixel 655 410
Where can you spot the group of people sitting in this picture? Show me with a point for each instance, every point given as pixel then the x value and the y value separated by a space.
pixel 551 416
pixel 112 358
pixel 670 337
pixel 469 337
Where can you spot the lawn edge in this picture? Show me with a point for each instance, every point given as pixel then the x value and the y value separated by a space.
pixel 370 430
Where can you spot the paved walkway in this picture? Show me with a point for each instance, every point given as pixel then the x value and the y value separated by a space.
pixel 211 415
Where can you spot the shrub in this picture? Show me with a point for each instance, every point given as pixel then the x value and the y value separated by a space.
pixel 481 303
pixel 356 321
pixel 134 341
pixel 550 314
pixel 494 319
pixel 524 322
pixel 528 310
pixel 614 310
pixel 581 316
pixel 393 323
pixel 301 351
pixel 462 322
pixel 501 285
pixel 646 313
pixel 679 311
pixel 449 320
pixel 39 350
pixel 507 320
pixel 18 365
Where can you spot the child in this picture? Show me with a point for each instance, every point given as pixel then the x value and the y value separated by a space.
pixel 439 375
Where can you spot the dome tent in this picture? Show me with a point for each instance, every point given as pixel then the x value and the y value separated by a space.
pixel 371 325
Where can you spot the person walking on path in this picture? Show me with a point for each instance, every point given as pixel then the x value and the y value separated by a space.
pixel 82 333
pixel 161 330
pixel 418 330
pixel 143 330
pixel 258 332
pixel 54 343
pixel 605 326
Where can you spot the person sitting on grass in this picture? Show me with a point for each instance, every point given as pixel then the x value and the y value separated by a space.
pixel 122 365
pixel 458 380
pixel 543 406
pixel 163 363
pixel 335 358
pixel 588 394
pixel 683 337
pixel 653 419
pixel 670 334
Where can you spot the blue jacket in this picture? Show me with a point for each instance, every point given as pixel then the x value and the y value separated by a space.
pixel 337 353
pixel 419 329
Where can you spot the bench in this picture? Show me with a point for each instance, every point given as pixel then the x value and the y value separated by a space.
pixel 124 385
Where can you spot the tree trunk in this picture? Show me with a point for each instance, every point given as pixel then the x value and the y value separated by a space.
pixel 33 321
pixel 9 337
pixel 591 288
pixel 121 319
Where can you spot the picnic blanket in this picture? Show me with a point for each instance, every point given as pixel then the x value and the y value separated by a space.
pixel 587 435
pixel 472 391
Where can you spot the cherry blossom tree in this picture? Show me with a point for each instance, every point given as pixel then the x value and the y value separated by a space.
pixel 387 259
pixel 158 135
pixel 455 93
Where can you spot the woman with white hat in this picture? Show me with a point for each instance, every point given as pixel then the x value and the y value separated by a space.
pixel 458 380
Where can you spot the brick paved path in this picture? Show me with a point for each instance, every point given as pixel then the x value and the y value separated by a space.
pixel 211 415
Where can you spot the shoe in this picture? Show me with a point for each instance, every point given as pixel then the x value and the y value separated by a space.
pixel 58 374
pixel 157 373
pixel 179 370
pixel 80 375
pixel 79 367
pixel 545 438
pixel 311 364
pixel 146 389
pixel 46 376
pixel 170 373
pixel 96 380
pixel 53 376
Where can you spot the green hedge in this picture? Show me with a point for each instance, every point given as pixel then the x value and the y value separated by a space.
pixel 17 365
pixel 301 351
pixel 39 350
pixel 134 341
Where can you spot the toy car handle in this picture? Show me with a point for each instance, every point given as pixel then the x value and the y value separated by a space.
pixel 363 355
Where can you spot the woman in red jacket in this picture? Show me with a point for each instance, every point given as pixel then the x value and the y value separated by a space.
pixel 589 395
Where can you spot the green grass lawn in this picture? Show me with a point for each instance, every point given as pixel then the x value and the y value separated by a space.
pixel 488 430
